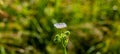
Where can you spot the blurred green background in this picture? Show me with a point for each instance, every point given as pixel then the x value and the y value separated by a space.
pixel 26 26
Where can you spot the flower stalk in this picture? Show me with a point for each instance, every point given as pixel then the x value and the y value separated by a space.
pixel 62 37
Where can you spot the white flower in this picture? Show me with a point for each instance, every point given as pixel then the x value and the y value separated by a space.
pixel 60 25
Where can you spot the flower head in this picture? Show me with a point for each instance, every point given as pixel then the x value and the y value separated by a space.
pixel 60 25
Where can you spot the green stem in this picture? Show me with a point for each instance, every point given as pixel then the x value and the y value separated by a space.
pixel 65 51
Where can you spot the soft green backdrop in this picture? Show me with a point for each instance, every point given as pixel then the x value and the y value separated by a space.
pixel 26 26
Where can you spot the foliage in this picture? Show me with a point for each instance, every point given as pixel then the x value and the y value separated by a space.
pixel 26 26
